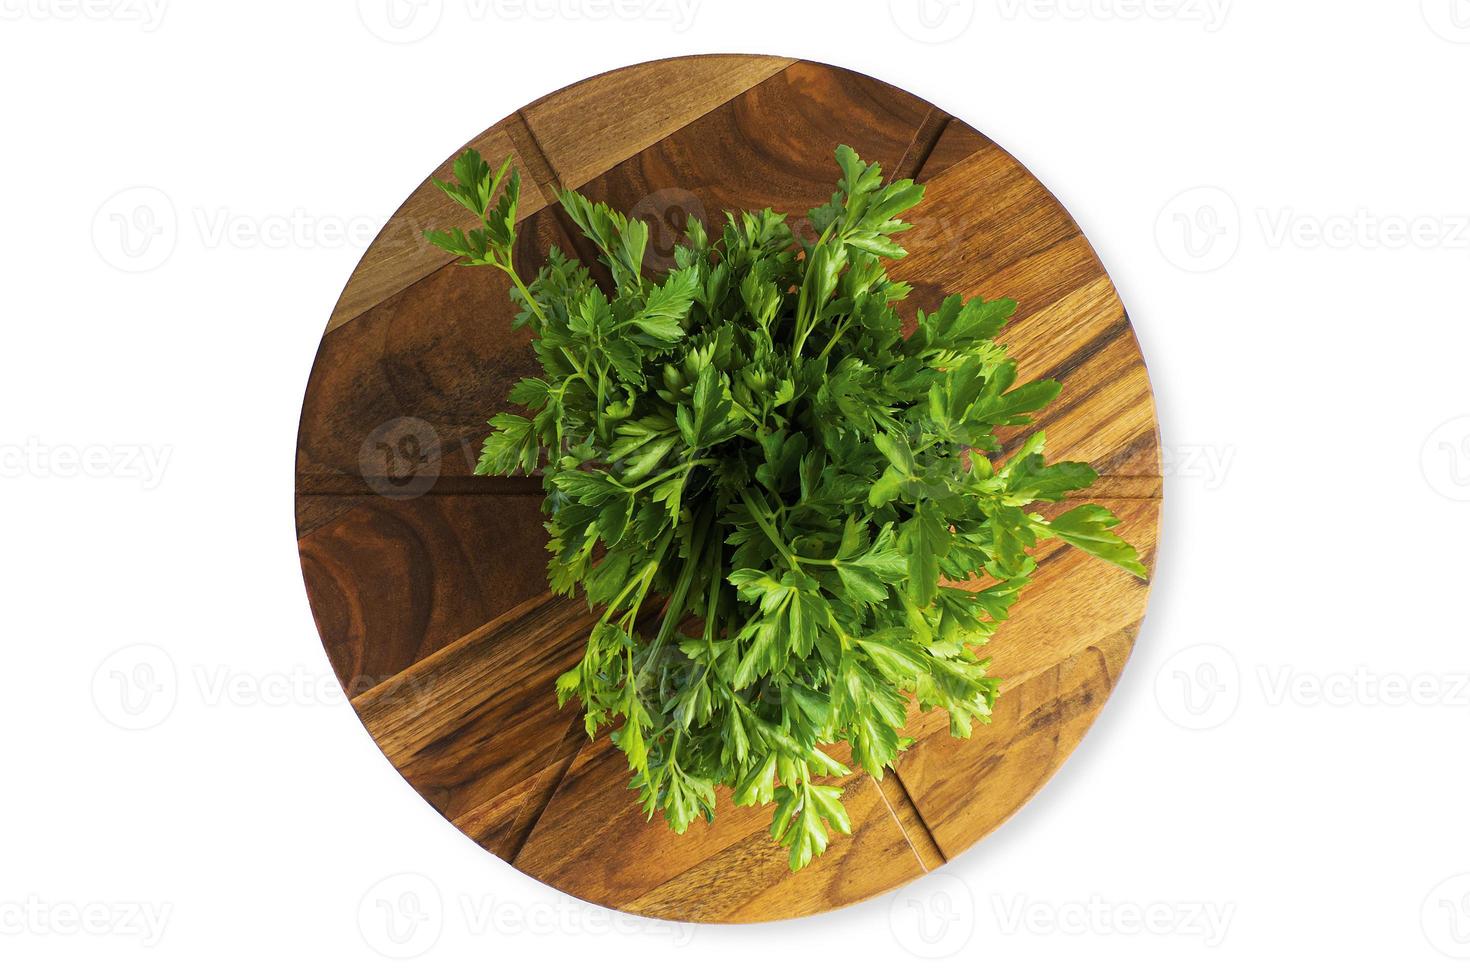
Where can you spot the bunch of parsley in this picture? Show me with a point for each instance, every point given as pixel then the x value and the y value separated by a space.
pixel 750 452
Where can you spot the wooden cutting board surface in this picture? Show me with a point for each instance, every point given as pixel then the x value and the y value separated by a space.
pixel 428 584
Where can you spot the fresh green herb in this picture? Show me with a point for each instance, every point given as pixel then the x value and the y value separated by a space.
pixel 750 452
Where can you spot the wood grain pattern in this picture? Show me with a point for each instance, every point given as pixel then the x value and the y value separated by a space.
pixel 475 727
pixel 428 584
pixel 769 147
pixel 987 228
pixel 588 127
pixel 1059 656
pixel 399 256
pixel 392 581
pixel 596 844
pixel 400 395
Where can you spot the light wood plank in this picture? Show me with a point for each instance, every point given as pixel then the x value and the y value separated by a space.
pixel 598 123
pixel 399 256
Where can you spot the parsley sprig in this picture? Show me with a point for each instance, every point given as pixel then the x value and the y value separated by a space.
pixel 749 453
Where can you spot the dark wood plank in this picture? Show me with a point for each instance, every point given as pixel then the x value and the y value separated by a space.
pixel 475 727
pixel 392 581
pixel 770 147
pixel 400 395
pixel 956 142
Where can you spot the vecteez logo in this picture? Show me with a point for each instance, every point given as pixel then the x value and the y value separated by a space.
pixel 407 21
pixel 1450 19
pixel 401 916
pixel 1445 917
pixel 1199 229
pixel 147 14
pixel 932 21
pixel 933 917
pixel 1199 687
pixel 1209 14
pixel 136 229
pixel 400 21
pixel 1445 459
pixel 136 687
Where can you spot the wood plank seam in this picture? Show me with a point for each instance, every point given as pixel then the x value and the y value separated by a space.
pixel 537 163
pixel 634 149
pixel 519 132
pixel 916 830
pixel 910 821
pixel 438 656
pixel 337 485
pixel 926 138
pixel 553 180
pixel 567 758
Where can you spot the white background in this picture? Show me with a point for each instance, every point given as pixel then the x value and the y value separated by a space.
pixel 1280 193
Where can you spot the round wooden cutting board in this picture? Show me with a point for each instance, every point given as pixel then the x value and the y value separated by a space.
pixel 428 584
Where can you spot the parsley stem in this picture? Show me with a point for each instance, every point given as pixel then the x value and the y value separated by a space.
pixel 835 334
pixel 612 606
pixel 712 601
pixel 601 416
pixel 515 278
pixel 695 540
pixel 664 475
pixel 759 513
